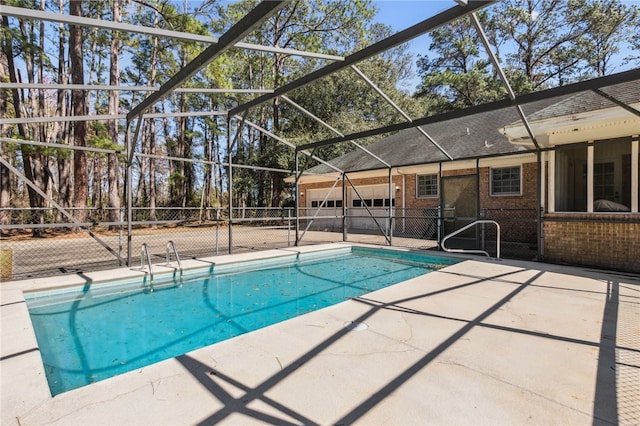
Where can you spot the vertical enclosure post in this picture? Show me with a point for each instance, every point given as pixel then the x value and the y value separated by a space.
pixel 230 182
pixel 296 195
pixel 344 208
pixel 131 145
pixel 390 215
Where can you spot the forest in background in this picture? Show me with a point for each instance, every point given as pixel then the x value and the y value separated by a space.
pixel 541 43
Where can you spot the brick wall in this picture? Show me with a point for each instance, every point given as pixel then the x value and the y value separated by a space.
pixel 515 213
pixel 610 241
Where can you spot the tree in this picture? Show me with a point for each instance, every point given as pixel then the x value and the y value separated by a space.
pixel 5 177
pixel 61 129
pixel 322 26
pixel 80 171
pixel 30 48
pixel 607 23
pixel 540 44
pixel 113 166
pixel 459 73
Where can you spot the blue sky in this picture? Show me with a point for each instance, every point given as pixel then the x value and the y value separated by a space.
pixel 401 14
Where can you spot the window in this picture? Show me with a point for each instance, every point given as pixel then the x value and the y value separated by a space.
pixel 375 202
pixel 612 176
pixel 329 204
pixel 427 186
pixel 603 181
pixel 570 179
pixel 505 181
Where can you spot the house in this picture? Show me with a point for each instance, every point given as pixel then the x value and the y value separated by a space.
pixel 573 200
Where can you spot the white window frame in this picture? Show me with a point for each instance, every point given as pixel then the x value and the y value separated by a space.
pixel 505 194
pixel 437 194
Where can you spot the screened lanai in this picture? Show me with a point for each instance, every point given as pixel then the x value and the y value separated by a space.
pixel 50 237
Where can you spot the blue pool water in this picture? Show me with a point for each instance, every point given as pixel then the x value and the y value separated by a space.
pixel 91 333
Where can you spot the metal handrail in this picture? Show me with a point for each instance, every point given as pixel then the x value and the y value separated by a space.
pixel 464 228
pixel 145 253
pixel 172 245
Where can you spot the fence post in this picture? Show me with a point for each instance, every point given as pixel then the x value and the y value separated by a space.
pixel 483 215
pixel 439 227
pixel 217 228
pixel 288 227
pixel 120 245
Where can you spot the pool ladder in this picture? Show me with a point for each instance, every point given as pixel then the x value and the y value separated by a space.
pixel 464 228
pixel 144 255
pixel 171 246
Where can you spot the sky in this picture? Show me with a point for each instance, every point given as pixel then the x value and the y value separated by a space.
pixel 401 14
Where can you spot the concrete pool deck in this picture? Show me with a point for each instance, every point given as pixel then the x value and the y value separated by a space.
pixel 478 342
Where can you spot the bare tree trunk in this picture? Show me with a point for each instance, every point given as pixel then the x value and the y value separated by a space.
pixel 5 177
pixel 141 191
pixel 96 183
pixel 81 186
pixel 206 188
pixel 61 129
pixel 152 134
pixel 33 161
pixel 113 166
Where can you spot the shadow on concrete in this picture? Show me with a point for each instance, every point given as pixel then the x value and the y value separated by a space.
pixel 205 374
pixel 605 408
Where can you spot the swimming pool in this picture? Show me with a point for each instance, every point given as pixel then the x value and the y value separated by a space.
pixel 90 333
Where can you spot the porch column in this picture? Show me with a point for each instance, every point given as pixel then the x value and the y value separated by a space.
pixel 552 182
pixel 635 165
pixel 590 155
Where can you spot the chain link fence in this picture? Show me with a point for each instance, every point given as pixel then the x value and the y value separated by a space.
pixel 57 245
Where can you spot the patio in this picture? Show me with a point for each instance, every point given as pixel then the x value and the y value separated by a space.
pixel 482 342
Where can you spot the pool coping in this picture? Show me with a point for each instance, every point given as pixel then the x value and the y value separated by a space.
pixel 24 385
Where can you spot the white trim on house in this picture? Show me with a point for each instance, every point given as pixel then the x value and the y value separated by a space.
pixel 550 189
pixel 424 169
pixel 543 179
pixel 590 159
pixel 601 124
pixel 635 178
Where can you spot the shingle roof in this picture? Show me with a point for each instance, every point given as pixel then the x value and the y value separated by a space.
pixel 410 147
pixel 465 137
pixel 587 101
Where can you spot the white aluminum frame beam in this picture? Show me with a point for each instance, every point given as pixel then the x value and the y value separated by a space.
pixel 59 146
pixel 54 119
pixel 56 86
pixel 20 12
pixel 215 163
